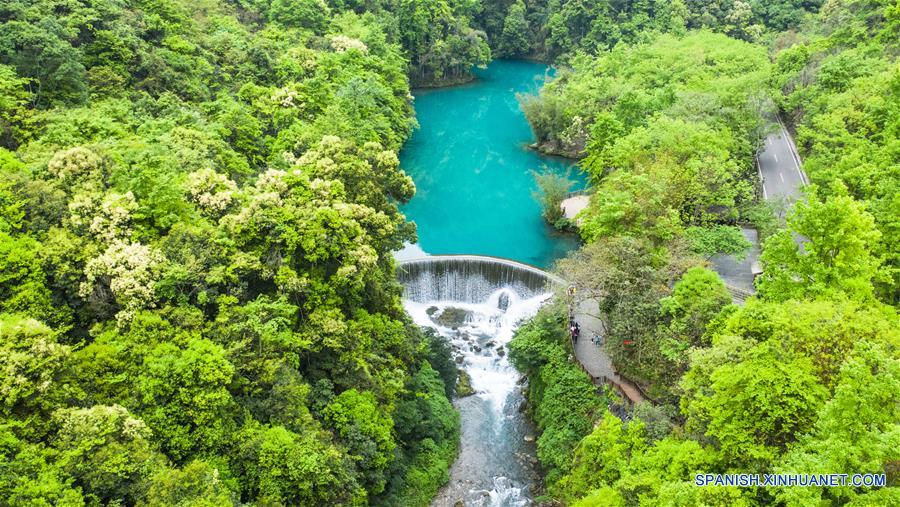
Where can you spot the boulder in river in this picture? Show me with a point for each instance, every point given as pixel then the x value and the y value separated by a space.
pixel 503 301
pixel 451 317
pixel 464 384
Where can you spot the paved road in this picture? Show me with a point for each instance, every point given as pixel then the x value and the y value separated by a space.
pixel 739 273
pixel 782 178
pixel 779 167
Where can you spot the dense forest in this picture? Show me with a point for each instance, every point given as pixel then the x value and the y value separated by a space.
pixel 199 201
pixel 802 378
pixel 560 29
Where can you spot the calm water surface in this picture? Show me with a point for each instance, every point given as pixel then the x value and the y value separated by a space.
pixel 471 165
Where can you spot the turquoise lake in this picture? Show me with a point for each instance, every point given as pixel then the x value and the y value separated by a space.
pixel 472 169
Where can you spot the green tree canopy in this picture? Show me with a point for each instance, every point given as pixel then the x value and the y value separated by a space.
pixel 827 248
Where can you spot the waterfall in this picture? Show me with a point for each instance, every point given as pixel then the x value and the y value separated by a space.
pixel 477 303
pixel 469 278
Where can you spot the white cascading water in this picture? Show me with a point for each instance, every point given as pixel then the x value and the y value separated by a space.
pixel 496 462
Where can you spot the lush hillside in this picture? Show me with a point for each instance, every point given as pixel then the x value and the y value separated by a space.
pixel 559 29
pixel 199 201
pixel 840 84
pixel 804 377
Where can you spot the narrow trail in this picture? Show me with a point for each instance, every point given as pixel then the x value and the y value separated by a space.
pixel 593 358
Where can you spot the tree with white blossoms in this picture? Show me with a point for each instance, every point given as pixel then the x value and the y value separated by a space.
pixel 104 216
pixel 370 175
pixel 74 164
pixel 290 223
pixel 30 360
pixel 342 43
pixel 112 219
pixel 285 97
pixel 212 192
pixel 129 271
pixel 107 449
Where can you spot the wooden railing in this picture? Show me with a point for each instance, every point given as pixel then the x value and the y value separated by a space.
pixel 603 380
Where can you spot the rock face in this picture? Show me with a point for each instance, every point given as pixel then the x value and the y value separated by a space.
pixel 451 317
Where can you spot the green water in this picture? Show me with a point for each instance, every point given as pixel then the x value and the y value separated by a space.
pixel 471 165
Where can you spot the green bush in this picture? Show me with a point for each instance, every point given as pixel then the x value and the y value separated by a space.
pixel 564 401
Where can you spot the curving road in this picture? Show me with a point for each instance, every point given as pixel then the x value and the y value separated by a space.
pixel 782 179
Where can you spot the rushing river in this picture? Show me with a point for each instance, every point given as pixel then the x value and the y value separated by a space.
pixel 472 169
pixel 474 181
pixel 477 304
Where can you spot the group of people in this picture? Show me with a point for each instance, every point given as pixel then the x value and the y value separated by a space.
pixel 575 332
pixel 574 329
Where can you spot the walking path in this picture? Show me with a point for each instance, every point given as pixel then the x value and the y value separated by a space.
pixel 593 358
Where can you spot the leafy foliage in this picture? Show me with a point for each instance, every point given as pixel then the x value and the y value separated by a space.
pixel 553 189
pixel 800 378
pixel 836 253
pixel 197 300
pixel 839 82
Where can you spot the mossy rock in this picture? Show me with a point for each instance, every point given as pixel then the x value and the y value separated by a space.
pixel 451 317
pixel 464 384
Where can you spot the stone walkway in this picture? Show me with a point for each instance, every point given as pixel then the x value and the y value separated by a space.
pixel 593 358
